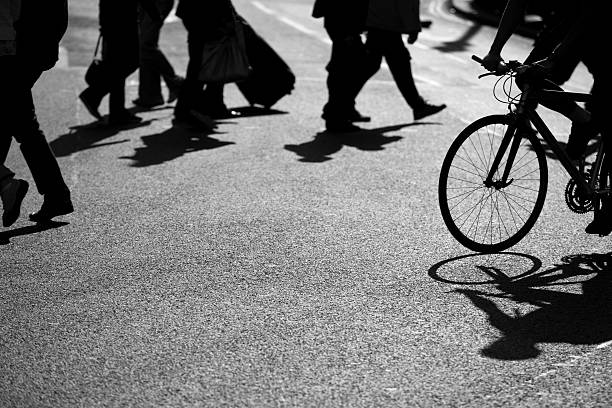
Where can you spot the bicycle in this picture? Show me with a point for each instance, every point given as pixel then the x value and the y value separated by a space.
pixel 494 178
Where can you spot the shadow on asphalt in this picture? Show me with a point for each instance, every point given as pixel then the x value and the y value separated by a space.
pixel 5 236
pixel 325 144
pixel 90 136
pixel 462 43
pixel 560 317
pixel 171 144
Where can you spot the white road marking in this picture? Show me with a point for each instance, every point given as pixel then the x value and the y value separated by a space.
pixel 303 29
pixel 291 23
pixel 604 345
pixel 437 9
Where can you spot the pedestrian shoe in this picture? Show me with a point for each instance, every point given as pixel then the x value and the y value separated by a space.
pixel 123 118
pixel 174 89
pixel 578 139
pixel 52 207
pixel 341 126
pixel 194 119
pixel 601 226
pixel 142 103
pixel 218 111
pixel 356 116
pixel 12 196
pixel 427 110
pixel 602 221
pixel 91 104
pixel 225 114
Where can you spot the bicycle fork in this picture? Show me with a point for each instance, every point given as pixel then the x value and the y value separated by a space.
pixel 513 136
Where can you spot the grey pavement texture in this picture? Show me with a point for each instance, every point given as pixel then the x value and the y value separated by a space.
pixel 270 265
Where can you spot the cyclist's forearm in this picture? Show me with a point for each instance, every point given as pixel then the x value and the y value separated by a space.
pixel 513 15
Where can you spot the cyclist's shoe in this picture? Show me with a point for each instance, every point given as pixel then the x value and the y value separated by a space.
pixel 602 222
pixel 579 138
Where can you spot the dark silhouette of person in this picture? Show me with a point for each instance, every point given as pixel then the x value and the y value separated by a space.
pixel 120 44
pixel 586 29
pixel 349 66
pixel 29 43
pixel 557 23
pixel 154 66
pixel 205 21
pixel 386 22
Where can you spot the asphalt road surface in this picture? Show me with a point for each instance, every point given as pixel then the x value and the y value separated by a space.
pixel 270 264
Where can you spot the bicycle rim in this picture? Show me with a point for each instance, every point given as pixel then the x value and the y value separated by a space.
pixel 491 219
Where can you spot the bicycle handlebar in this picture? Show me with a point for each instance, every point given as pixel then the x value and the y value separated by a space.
pixel 502 68
pixel 477 59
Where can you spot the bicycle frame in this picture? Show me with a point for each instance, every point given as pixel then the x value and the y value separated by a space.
pixel 524 114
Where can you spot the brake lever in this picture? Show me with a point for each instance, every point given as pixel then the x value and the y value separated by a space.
pixel 487 74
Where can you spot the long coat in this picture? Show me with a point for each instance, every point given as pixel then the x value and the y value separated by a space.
pixel 207 12
pixel 349 13
pixel 400 16
pixel 40 29
pixel 205 18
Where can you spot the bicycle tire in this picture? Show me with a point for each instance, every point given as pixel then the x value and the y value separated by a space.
pixel 470 188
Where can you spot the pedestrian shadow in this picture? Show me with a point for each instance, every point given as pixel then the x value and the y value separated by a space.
pixel 559 317
pixel 462 43
pixel 325 144
pixel 171 144
pixel 90 136
pixel 5 236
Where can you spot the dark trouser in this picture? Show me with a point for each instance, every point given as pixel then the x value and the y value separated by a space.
pixel 348 70
pixel 388 44
pixel 543 47
pixel 191 95
pixel 120 57
pixel 153 63
pixel 19 121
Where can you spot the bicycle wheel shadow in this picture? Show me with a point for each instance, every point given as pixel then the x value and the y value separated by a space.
pixel 326 144
pixel 560 316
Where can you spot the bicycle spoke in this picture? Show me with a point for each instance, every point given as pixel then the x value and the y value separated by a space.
pixel 467 171
pixel 493 216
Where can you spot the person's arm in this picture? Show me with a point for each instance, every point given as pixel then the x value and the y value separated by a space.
pixel 513 15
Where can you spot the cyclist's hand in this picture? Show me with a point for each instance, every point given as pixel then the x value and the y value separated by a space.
pixel 492 62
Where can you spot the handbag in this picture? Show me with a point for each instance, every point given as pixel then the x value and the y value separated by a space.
pixel 225 60
pixel 96 72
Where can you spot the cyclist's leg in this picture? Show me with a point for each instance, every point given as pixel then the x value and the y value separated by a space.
pixel 602 87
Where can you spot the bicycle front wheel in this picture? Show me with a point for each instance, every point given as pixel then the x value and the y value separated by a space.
pixel 495 217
